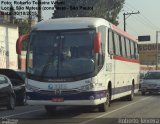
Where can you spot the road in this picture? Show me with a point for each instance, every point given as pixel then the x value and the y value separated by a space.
pixel 141 110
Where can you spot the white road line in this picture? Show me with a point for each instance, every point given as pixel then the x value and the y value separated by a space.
pixel 8 116
pixel 84 121
pixel 112 111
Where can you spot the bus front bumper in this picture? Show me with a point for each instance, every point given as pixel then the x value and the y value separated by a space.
pixel 67 102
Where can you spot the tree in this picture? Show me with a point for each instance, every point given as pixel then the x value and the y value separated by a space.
pixel 107 9
pixel 11 11
pixel 23 29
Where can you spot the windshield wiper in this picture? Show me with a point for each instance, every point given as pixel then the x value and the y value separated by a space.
pixel 44 70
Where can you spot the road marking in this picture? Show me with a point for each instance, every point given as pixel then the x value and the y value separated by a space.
pixel 8 116
pixel 112 111
pixel 84 121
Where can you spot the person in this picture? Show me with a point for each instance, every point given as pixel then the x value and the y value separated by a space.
pixel 66 53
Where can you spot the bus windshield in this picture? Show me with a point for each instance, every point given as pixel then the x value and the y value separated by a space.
pixel 55 54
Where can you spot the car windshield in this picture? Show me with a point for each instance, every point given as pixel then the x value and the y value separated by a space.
pixel 2 80
pixel 152 75
pixel 141 75
pixel 61 54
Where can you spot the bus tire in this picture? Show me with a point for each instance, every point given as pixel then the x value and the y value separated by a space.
pixel 104 106
pixel 50 109
pixel 23 100
pixel 131 96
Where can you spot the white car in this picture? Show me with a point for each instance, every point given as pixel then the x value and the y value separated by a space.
pixel 151 82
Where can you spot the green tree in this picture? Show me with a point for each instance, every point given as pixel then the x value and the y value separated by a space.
pixel 23 29
pixel 107 9
pixel 11 11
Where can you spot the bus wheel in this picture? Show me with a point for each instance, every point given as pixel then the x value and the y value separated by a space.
pixel 131 96
pixel 50 109
pixel 104 106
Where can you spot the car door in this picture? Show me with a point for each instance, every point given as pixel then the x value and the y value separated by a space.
pixel 5 90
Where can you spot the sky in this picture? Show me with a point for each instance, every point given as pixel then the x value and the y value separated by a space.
pixel 147 22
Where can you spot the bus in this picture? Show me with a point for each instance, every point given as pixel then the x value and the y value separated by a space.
pixel 79 62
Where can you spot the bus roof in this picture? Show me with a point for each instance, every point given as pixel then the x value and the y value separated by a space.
pixel 78 23
pixel 70 23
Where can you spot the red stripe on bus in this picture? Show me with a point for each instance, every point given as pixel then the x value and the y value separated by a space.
pixel 125 59
pixel 120 31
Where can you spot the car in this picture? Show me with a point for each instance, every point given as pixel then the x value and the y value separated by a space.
pixel 21 73
pixel 142 74
pixel 151 82
pixel 7 95
pixel 18 82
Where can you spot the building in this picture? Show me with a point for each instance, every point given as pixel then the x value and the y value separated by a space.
pixel 148 55
pixel 21 20
pixel 4 18
pixel 8 37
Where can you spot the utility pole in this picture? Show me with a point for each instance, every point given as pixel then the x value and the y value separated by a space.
pixel 157 56
pixel 39 11
pixel 30 20
pixel 129 14
pixel 12 14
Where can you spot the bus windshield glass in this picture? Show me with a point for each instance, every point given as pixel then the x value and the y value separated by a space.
pixel 65 54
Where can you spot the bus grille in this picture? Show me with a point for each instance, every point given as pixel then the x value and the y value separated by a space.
pixel 62 92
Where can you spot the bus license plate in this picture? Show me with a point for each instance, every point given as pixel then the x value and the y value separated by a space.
pixel 58 100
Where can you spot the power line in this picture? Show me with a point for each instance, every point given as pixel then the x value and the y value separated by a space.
pixel 142 20
pixel 134 30
pixel 129 14
pixel 144 17
pixel 131 28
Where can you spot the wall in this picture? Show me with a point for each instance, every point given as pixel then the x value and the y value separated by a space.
pixel 8 38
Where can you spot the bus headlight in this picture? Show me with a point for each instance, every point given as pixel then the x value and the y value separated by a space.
pixel 87 87
pixel 32 88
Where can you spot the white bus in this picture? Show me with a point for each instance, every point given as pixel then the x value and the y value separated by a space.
pixel 78 62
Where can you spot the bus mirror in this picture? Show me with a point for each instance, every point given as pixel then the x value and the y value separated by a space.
pixel 97 42
pixel 19 42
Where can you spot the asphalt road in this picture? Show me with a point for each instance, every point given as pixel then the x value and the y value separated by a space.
pixel 142 110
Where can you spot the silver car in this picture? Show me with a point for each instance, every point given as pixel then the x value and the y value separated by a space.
pixel 151 82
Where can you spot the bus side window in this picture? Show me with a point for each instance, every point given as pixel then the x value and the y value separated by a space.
pixel 101 55
pixel 123 45
pixel 136 50
pixel 117 44
pixel 132 50
pixel 128 48
pixel 111 49
pixel 120 44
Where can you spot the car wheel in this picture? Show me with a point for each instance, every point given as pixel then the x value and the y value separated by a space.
pixel 150 93
pixel 50 109
pixel 143 93
pixel 22 100
pixel 11 104
pixel 104 106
